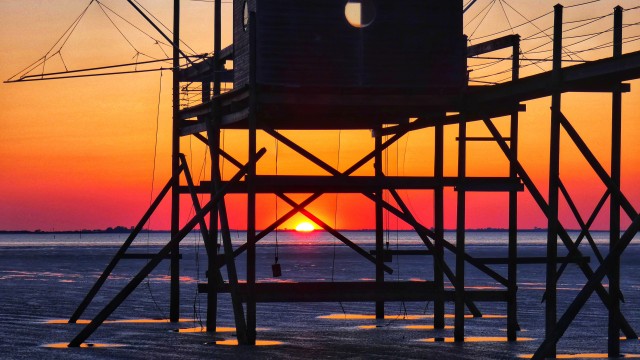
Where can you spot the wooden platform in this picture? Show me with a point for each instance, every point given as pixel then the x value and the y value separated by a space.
pixel 326 108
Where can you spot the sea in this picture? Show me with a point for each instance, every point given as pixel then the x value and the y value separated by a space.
pixel 44 277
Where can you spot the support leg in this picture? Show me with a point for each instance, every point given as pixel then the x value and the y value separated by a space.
pixel 174 306
pixel 379 223
pixel 460 234
pixel 512 271
pixel 212 267
pixel 251 190
pixel 438 211
pixel 554 177
pixel 614 213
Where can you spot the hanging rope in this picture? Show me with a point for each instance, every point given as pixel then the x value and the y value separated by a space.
pixel 192 52
pixel 156 40
pixel 335 212
pixel 62 40
pixel 276 202
pixel 335 224
pixel 222 144
pixel 483 17
pixel 117 28
pixel 36 70
pixel 153 180
pixel 385 195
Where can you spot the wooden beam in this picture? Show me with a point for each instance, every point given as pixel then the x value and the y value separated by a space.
pixel 475 114
pixel 493 45
pixel 355 292
pixel 605 71
pixel 203 71
pixel 358 184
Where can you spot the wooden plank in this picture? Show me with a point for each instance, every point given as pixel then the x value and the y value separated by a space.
pixel 475 114
pixel 332 108
pixel 490 185
pixel 354 292
pixel 359 184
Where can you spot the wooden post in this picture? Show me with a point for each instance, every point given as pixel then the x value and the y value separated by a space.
pixel 512 271
pixel 214 145
pixel 438 211
pixel 174 306
pixel 460 232
pixel 379 221
pixel 554 176
pixel 614 213
pixel 251 187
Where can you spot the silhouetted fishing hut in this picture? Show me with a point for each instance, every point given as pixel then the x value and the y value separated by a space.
pixel 392 67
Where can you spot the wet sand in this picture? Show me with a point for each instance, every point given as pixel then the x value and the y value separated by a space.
pixel 39 285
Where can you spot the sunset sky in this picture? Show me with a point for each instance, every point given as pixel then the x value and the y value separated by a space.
pixel 78 153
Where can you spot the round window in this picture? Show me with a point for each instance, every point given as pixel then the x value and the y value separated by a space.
pixel 360 13
pixel 245 16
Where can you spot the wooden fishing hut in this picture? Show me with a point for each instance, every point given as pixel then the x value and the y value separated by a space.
pixel 391 67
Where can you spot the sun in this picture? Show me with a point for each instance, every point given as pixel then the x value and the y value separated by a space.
pixel 305 227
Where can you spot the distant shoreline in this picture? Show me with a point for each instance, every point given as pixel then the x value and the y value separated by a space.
pixel 124 230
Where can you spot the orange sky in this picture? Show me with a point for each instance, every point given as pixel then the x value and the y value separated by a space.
pixel 78 153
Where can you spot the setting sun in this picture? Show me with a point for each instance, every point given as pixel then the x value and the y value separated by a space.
pixel 305 227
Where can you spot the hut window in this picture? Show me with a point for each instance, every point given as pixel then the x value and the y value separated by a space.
pixel 245 14
pixel 360 13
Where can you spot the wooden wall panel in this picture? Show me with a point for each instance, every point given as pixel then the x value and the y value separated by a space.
pixel 410 44
pixel 240 43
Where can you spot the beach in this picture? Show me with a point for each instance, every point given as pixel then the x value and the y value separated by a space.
pixel 43 278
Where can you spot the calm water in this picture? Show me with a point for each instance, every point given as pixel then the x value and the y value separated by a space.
pixel 316 238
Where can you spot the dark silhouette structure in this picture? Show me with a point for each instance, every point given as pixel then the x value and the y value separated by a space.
pixel 301 65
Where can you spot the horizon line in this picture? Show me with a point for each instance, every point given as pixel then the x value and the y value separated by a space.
pixel 124 230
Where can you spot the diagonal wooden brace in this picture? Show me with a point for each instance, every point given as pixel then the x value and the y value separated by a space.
pixel 146 270
pixel 562 233
pixel 123 249
pixel 592 284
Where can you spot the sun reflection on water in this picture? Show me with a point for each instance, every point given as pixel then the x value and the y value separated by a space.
pixel 339 316
pixel 584 356
pixel 475 339
pixel 118 321
pixel 234 342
